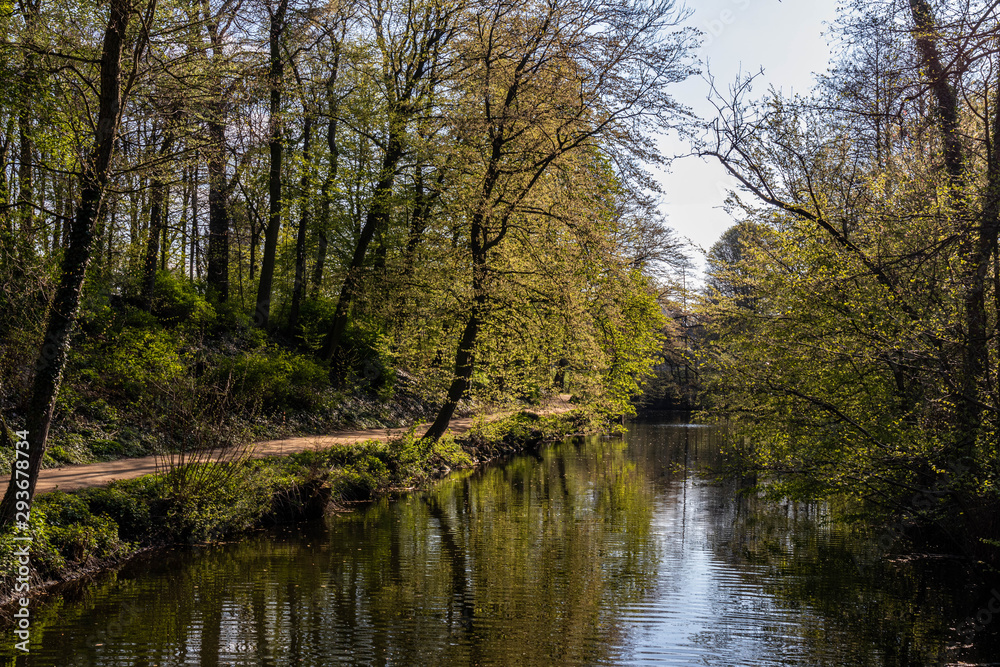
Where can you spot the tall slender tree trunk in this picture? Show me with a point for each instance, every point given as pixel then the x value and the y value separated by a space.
pixel 194 224
pixel 377 218
pixel 25 157
pixel 6 224
pixel 165 229
pixel 978 243
pixel 479 245
pixel 51 359
pixel 321 249
pixel 217 275
pixel 185 197
pixel 57 197
pixel 25 188
pixel 465 355
pixel 157 226
pixel 420 217
pixel 331 178
pixel 298 291
pixel 262 313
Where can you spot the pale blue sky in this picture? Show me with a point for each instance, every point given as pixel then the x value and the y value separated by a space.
pixel 789 41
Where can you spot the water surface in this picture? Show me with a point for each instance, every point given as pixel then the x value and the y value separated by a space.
pixel 601 551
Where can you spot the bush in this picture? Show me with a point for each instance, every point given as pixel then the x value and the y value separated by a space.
pixel 524 429
pixel 208 501
pixel 140 361
pixel 75 532
pixel 277 378
pixel 315 318
pixel 44 557
pixel 177 301
pixel 128 504
pixel 363 479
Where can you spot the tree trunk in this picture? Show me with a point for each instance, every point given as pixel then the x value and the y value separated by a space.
pixel 420 217
pixel 944 95
pixel 378 217
pixel 479 244
pixel 465 356
pixel 25 189
pixel 51 359
pixel 317 277
pixel 298 291
pixel 262 313
pixel 193 270
pixel 977 246
pixel 6 226
pixel 217 275
pixel 331 177
pixel 157 226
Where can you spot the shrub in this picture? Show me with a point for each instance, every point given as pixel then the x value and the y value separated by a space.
pixel 44 557
pixel 277 378
pixel 315 318
pixel 75 532
pixel 177 301
pixel 128 505
pixel 208 501
pixel 361 479
pixel 139 361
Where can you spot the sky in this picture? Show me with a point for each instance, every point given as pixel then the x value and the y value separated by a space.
pixel 789 41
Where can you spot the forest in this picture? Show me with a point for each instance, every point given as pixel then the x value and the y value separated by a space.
pixel 227 225
pixel 221 213
pixel 228 220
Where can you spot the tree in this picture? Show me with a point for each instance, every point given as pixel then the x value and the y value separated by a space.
pixel 410 41
pixel 867 345
pixel 726 260
pixel 218 23
pixel 65 305
pixel 276 72
pixel 545 81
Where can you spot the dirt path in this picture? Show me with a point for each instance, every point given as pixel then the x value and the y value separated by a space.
pixel 69 478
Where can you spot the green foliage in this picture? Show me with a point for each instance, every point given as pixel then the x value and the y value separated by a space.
pixel 315 318
pixel 226 499
pixel 362 478
pixel 76 533
pixel 137 362
pixel 131 504
pixel 45 557
pixel 365 360
pixel 272 377
pixel 520 430
pixel 632 340
pixel 177 302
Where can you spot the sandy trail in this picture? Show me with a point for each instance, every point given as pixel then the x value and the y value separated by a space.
pixel 69 478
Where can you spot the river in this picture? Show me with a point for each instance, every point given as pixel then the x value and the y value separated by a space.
pixel 598 551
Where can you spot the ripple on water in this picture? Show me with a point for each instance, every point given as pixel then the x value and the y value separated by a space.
pixel 600 553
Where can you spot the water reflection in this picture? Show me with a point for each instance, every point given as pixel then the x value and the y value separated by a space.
pixel 602 551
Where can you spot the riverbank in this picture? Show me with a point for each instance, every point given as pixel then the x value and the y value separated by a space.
pixel 84 476
pixel 80 533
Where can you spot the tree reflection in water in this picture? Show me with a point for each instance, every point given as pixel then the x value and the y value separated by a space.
pixel 601 551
